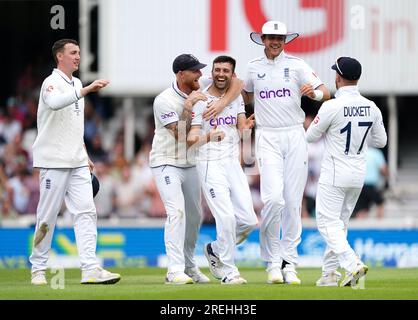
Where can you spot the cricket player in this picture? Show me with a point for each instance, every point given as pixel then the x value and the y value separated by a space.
pixel 349 124
pixel 64 166
pixel 276 82
pixel 174 169
pixel 224 183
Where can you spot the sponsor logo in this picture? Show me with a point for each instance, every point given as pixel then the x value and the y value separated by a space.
pixel 212 193
pixel 48 184
pixel 229 120
pixel 270 94
pixel 286 74
pixel 168 115
pixel 167 180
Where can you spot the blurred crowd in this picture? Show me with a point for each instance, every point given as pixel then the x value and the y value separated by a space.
pixel 127 188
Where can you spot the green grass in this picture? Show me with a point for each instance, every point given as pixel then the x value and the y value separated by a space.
pixel 148 284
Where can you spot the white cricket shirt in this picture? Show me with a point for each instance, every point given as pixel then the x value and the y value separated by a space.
pixel 60 143
pixel 276 87
pixel 349 123
pixel 227 122
pixel 166 150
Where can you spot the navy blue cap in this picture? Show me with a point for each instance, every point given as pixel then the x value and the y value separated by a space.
pixel 187 62
pixel 348 68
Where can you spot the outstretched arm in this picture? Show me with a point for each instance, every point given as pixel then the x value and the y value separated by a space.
pixel 56 100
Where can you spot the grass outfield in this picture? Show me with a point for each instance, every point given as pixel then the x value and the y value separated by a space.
pixel 147 284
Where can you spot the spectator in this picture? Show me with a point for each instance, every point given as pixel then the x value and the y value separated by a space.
pixel 32 184
pixel 20 192
pixel 9 127
pixel 105 198
pixel 372 192
pixel 91 124
pixel 5 193
pixel 129 194
pixel 96 150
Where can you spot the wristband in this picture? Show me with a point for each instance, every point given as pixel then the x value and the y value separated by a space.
pixel 318 95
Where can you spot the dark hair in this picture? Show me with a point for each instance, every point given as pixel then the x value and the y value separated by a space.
pixel 59 47
pixel 228 59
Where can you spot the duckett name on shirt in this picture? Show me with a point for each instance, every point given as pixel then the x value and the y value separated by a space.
pixel 270 94
pixel 357 111
pixel 229 120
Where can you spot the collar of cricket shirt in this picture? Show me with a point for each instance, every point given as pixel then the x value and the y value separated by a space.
pixel 64 76
pixel 178 91
pixel 347 90
pixel 276 60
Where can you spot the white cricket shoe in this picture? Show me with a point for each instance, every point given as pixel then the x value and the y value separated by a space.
pixel 178 277
pixel 351 278
pixel 99 276
pixel 329 279
pixel 38 278
pixel 196 275
pixel 233 281
pixel 215 264
pixel 290 275
pixel 274 275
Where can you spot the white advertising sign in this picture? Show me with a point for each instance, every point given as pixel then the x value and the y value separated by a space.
pixel 138 40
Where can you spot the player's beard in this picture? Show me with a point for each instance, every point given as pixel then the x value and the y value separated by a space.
pixel 221 86
pixel 192 84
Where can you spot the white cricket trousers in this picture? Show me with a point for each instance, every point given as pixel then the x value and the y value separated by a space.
pixel 334 206
pixel 282 158
pixel 179 190
pixel 228 196
pixel 74 187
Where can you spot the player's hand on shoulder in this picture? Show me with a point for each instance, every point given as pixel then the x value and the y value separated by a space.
pixel 196 96
pixel 215 107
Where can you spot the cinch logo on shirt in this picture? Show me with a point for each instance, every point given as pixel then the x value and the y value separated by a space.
pixel 223 120
pixel 167 115
pixel 279 93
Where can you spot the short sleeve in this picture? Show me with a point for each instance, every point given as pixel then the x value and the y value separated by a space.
pixel 164 112
pixel 308 76
pixel 241 104
pixel 248 81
